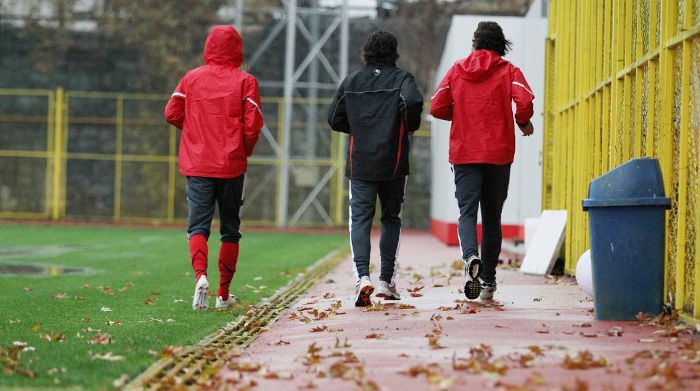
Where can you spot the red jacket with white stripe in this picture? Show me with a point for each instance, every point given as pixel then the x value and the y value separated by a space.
pixel 218 109
pixel 476 95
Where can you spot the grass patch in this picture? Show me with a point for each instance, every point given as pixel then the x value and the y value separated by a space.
pixel 144 277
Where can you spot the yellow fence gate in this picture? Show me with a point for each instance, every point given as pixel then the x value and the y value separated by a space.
pixel 111 156
pixel 623 81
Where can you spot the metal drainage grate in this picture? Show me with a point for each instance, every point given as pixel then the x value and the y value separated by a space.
pixel 198 363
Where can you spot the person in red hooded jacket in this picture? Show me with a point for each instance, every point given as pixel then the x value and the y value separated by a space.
pixel 476 94
pixel 218 109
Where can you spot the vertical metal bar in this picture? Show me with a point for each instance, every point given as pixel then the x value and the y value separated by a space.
pixel 312 109
pixel 342 139
pixel 50 129
pixel 289 59
pixel 172 168
pixel 668 26
pixel 57 156
pixel 684 137
pixel 119 131
pixel 651 105
pixel 239 15
pixel 637 110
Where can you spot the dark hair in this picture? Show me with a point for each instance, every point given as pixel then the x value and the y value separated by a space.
pixel 489 36
pixel 380 49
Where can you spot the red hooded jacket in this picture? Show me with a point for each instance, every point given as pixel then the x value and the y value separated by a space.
pixel 218 109
pixel 476 96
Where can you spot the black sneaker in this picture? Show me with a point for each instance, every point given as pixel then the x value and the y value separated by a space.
pixel 472 269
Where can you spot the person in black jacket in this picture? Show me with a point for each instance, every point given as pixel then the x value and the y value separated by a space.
pixel 379 106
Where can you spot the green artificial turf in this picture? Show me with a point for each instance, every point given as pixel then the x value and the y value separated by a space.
pixel 144 276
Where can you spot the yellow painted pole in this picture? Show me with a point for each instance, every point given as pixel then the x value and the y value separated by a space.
pixel 50 129
pixel 57 156
pixel 652 70
pixel 637 111
pixel 172 168
pixel 119 121
pixel 665 148
pixel 681 235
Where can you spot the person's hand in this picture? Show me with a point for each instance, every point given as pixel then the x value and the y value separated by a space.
pixel 527 129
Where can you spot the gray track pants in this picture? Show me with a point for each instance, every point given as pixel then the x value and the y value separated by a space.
pixel 363 198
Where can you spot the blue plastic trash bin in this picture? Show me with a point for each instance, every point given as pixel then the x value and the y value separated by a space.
pixel 626 212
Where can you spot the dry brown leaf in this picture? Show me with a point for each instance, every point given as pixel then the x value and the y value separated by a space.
pixel 584 360
pixel 340 345
pixel 101 339
pixel 60 296
pixel 615 331
pixel 404 306
pixel 374 336
pixel 53 337
pixel 318 329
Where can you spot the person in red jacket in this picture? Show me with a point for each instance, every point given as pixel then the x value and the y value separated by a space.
pixel 218 109
pixel 476 94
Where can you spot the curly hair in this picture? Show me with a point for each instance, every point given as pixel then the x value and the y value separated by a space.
pixel 489 36
pixel 380 49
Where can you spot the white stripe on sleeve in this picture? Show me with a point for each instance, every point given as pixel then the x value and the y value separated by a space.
pixel 180 94
pixel 257 106
pixel 438 91
pixel 523 86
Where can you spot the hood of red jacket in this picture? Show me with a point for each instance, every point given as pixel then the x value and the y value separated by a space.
pixel 223 46
pixel 479 65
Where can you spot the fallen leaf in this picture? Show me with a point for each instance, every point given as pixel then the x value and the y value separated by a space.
pixel 60 296
pixel 374 336
pixel 120 382
pixel 113 323
pixel 282 342
pixel 53 337
pixel 328 295
pixel 106 309
pixel 404 306
pixel 647 340
pixel 149 301
pixel 615 331
pixel 340 345
pixel 178 301
pixel 536 299
pixel 318 329
pixel 584 360
pixel 376 306
pixel 101 339
pixel 35 328
pixel 109 356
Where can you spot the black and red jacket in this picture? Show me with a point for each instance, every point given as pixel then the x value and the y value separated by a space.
pixel 378 106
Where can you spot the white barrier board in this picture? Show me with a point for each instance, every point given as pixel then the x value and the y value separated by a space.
pixel 542 252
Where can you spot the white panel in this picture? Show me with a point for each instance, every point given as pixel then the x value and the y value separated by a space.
pixel 546 243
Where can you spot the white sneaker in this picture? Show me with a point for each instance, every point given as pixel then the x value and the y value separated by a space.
pixel 487 290
pixel 222 304
pixel 200 301
pixel 363 292
pixel 388 291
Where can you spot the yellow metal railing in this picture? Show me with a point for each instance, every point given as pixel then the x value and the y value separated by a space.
pixel 623 81
pixel 110 156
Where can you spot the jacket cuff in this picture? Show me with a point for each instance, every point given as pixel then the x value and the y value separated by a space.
pixel 522 125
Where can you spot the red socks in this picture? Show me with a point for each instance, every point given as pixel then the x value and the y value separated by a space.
pixel 198 255
pixel 228 258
